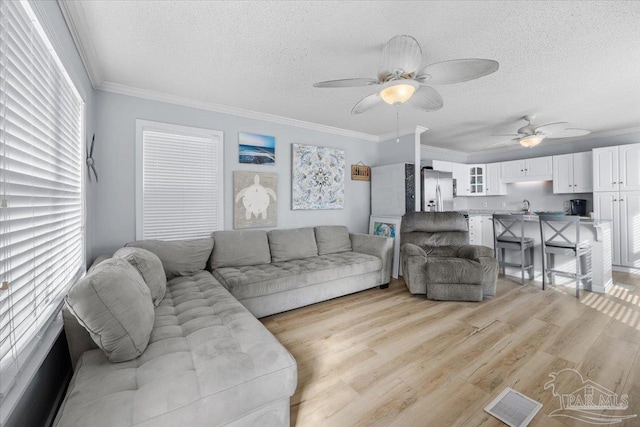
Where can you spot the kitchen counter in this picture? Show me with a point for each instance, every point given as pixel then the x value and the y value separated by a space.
pixel 597 231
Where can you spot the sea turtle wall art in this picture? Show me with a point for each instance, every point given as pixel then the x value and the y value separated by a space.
pixel 255 199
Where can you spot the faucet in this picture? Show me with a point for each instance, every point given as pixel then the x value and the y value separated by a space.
pixel 526 206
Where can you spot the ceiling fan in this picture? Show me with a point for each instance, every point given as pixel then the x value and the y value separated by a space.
pixel 401 79
pixel 531 134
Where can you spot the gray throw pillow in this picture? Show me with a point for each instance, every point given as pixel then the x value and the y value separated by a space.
pixel 332 239
pixel 238 248
pixel 179 257
pixel 297 243
pixel 114 305
pixel 150 268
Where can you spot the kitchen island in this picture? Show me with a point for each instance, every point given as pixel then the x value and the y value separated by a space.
pixel 597 232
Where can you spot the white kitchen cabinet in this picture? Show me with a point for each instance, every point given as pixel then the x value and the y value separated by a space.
pixel 475 230
pixel 536 169
pixel 607 206
pixel 460 174
pixel 487 230
pixel 476 180
pixel 442 166
pixel 481 230
pixel 629 164
pixel 629 208
pixel 493 181
pixel 572 173
pixel 605 169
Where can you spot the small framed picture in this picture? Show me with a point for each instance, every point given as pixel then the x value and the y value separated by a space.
pixel 256 149
pixel 388 226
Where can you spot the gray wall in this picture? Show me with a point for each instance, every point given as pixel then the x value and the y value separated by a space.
pixel 112 208
pixel 390 152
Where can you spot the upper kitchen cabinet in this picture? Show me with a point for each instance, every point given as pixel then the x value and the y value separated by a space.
pixel 572 173
pixel 493 181
pixel 536 169
pixel 461 176
pixel 616 168
pixel 441 165
pixel 629 161
pixel 476 180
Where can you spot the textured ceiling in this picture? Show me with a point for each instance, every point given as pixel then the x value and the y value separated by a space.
pixel 564 61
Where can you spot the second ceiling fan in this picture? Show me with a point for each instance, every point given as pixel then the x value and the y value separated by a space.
pixel 531 134
pixel 401 79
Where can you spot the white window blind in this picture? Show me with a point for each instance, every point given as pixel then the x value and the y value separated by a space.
pixel 41 195
pixel 179 181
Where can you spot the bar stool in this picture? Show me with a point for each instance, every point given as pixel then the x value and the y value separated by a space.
pixel 508 238
pixel 560 244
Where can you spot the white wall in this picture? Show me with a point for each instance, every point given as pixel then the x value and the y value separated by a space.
pixel 112 209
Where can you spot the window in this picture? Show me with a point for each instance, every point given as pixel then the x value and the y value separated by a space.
pixel 41 191
pixel 179 180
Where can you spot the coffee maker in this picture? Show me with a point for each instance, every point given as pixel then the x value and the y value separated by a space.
pixel 578 207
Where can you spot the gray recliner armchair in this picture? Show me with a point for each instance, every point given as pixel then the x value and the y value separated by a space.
pixel 438 261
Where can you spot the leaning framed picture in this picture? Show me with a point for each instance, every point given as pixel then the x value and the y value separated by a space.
pixel 388 226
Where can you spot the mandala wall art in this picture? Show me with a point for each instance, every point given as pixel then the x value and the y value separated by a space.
pixel 255 199
pixel 317 177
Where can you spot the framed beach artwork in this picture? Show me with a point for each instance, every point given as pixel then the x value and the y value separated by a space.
pixel 256 149
pixel 255 199
pixel 317 177
pixel 388 226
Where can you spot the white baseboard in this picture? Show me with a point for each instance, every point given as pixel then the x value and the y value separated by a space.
pixel 624 269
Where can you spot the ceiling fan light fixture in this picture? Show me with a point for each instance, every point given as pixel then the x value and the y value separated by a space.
pixel 398 94
pixel 531 140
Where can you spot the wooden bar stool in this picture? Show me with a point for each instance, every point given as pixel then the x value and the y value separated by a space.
pixel 508 234
pixel 561 229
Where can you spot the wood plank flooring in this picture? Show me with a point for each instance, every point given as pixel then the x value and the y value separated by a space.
pixel 384 357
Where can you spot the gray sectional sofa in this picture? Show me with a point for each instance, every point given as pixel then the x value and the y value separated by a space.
pixel 205 359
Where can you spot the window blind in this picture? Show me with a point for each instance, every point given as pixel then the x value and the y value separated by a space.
pixel 181 188
pixel 41 195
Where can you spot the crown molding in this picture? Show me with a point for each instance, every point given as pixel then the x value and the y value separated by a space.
pixel 224 109
pixel 420 130
pixel 77 24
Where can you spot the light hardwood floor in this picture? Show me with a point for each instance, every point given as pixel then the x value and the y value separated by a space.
pixel 385 357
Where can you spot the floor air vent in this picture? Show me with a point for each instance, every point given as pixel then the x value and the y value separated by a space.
pixel 513 408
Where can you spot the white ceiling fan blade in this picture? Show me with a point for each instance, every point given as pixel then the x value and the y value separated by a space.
pixel 426 98
pixel 507 134
pixel 570 133
pixel 347 83
pixel 401 56
pixel 552 128
pixel 456 71
pixel 366 103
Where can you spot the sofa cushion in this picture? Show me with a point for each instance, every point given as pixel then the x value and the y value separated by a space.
pixel 240 247
pixel 179 257
pixel 296 243
pixel 114 305
pixel 332 239
pixel 209 362
pixel 453 271
pixel 150 268
pixel 257 280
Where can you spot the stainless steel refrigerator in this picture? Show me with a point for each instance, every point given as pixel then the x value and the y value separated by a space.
pixel 437 190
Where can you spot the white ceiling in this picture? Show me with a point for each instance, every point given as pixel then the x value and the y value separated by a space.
pixel 564 61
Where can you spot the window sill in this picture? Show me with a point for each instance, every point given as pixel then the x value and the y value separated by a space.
pixel 15 394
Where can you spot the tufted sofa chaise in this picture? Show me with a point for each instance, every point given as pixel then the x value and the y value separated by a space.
pixel 209 361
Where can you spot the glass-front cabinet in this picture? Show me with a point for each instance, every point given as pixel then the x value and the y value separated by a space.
pixel 477 179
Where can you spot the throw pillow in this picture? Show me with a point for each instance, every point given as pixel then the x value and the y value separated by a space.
pixel 332 239
pixel 150 268
pixel 114 305
pixel 239 248
pixel 179 257
pixel 297 243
